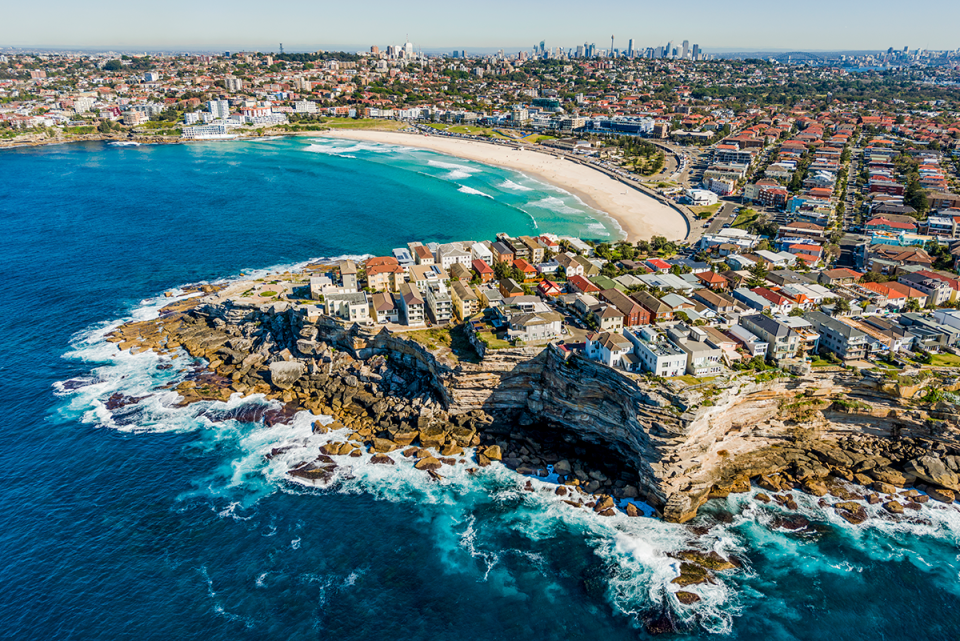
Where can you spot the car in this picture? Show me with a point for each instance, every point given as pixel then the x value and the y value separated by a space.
pixel 726 226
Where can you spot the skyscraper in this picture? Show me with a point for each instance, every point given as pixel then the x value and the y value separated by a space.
pixel 630 48
pixel 667 50
pixel 696 52
pixel 686 49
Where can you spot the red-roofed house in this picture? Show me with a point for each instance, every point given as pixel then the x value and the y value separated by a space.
pixel 713 280
pixel 529 271
pixel 882 224
pixel 779 304
pixel 657 264
pixel 582 285
pixel 482 270
pixel 549 288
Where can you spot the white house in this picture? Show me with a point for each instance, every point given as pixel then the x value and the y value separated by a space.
pixel 612 349
pixel 657 354
pixel 350 307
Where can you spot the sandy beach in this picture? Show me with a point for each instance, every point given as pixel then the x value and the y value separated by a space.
pixel 639 215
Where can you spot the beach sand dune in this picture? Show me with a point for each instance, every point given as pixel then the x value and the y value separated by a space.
pixel 641 216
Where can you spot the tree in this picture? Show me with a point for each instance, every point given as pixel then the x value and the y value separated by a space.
pixel 843 305
pixel 758 274
pixel 913 305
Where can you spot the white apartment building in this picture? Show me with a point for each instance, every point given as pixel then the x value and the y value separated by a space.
pixel 219 108
pixel 83 104
pixel 451 253
pixel 354 307
pixel 481 252
pixel 657 354
pixel 438 300
pixel 304 107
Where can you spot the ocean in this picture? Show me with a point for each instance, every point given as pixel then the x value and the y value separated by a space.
pixel 157 522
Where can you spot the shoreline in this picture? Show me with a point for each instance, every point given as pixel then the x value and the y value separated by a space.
pixel 640 216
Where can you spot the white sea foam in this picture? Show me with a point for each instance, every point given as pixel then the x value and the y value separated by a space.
pixel 552 203
pixel 512 186
pixel 476 192
pixel 343 148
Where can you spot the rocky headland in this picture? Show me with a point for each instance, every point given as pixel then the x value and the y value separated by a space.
pixel 839 434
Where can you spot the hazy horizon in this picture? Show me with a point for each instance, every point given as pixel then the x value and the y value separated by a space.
pixel 430 25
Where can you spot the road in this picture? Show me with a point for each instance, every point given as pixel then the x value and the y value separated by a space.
pixel 724 216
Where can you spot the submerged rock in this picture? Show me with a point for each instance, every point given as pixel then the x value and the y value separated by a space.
pixel 687 598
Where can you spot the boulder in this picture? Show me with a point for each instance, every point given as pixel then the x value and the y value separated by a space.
pixel 493 453
pixel 687 598
pixel 428 463
pixel 884 488
pixel 562 467
pixel 382 445
pixel 938 494
pixel 736 486
pixel 603 503
pixel 933 470
pixel 451 449
pixel 691 574
pixel 889 476
pixel 816 487
pixel 632 510
pixel 284 374
pixel 851 511
pixel 432 436
pixel 893 507
pixel 382 459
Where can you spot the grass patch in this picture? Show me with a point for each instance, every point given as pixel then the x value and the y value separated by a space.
pixel 364 123
pixel 688 379
pixel 706 212
pixel 491 341
pixel 745 218
pixel 944 360
pixel 819 362
pixel 268 293
pixel 79 131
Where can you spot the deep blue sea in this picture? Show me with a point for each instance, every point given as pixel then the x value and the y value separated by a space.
pixel 155 523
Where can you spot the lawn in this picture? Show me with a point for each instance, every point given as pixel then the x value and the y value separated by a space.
pixel 492 341
pixel 487 132
pixel 944 360
pixel 819 362
pixel 745 218
pixel 706 212
pixel 364 123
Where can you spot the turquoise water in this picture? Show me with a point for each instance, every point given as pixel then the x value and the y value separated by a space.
pixel 156 522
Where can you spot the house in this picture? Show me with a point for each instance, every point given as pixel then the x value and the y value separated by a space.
pixel 581 285
pixel 886 258
pixel 608 318
pixel 839 276
pixel 412 304
pixel 535 327
pixel 656 353
pixel 535 248
pixel 384 308
pixel 779 304
pixel 720 303
pixel 658 310
pixel 466 303
pixel 483 270
pixel 713 280
pixel 481 252
pixel 612 349
pixel 838 337
pixel 384 274
pixel 490 296
pixel 450 254
pixel 633 313
pixel 509 288
pixel 439 302
pixel 751 300
pixel 548 288
pixel 423 255
pixel 502 253
pixel 352 307
pixel 571 267
pixel 421 275
pixel 528 270
pixel 657 264
pixel 750 342
pixel 782 341
pixel 936 290
pixel 703 359
pixel 348 274
pixel 459 271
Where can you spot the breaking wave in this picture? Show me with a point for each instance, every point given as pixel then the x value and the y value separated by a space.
pixel 476 192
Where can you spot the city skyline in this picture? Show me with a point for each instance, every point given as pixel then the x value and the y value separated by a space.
pixel 738 27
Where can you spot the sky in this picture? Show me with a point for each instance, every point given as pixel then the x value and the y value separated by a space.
pixel 302 25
